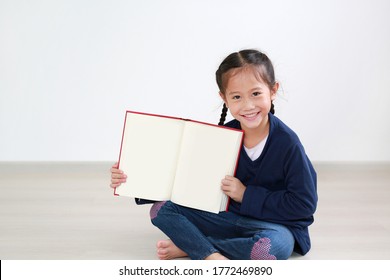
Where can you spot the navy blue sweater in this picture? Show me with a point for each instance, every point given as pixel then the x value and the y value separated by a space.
pixel 281 183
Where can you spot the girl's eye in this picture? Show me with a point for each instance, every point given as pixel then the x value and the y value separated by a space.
pixel 235 97
pixel 256 93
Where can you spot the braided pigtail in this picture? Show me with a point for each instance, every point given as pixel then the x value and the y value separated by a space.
pixel 223 115
pixel 272 110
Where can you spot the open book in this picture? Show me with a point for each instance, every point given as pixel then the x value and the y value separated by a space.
pixel 167 158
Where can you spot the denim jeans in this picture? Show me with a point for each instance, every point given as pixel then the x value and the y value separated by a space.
pixel 200 233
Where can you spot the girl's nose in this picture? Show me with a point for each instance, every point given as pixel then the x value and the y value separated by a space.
pixel 249 104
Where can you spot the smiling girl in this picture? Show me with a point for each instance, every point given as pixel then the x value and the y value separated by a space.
pixel 274 192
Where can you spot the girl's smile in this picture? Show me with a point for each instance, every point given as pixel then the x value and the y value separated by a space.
pixel 251 116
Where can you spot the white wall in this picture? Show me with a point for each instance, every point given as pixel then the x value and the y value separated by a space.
pixel 69 69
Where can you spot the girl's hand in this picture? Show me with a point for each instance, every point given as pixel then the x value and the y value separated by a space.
pixel 233 188
pixel 117 176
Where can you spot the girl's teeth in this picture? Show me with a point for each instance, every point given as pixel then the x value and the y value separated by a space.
pixel 251 115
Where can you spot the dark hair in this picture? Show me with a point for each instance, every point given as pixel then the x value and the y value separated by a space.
pixel 245 58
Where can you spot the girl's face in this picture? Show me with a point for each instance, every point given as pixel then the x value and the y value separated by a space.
pixel 249 98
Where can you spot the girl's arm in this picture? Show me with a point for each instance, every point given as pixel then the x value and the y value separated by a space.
pixel 296 200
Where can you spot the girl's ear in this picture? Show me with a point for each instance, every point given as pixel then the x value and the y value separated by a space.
pixel 274 90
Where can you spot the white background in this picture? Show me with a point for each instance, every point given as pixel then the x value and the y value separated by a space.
pixel 70 68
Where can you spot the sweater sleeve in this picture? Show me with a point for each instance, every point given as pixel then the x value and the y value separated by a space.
pixel 295 200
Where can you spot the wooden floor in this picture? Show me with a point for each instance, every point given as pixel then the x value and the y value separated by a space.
pixel 67 211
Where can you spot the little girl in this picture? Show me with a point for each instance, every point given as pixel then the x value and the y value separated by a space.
pixel 274 193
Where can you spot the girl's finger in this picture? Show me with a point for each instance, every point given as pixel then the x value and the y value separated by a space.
pixel 226 182
pixel 114 185
pixel 118 176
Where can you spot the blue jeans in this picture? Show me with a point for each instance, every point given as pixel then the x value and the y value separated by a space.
pixel 200 233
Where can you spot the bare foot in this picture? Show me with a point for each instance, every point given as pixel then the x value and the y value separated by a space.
pixel 216 256
pixel 167 250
